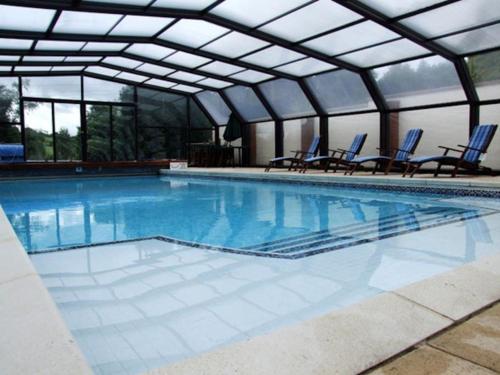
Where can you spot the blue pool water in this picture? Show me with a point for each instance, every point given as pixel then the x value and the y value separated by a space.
pixel 282 220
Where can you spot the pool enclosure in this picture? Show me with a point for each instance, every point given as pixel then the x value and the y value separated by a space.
pixel 110 80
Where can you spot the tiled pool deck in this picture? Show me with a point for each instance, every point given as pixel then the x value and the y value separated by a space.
pixel 256 316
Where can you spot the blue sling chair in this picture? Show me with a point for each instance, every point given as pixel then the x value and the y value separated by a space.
pixel 399 157
pixel 469 158
pixel 344 157
pixel 299 155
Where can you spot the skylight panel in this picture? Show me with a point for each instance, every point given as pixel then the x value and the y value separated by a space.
pixel 160 83
pixel 122 61
pixel 272 56
pixel 140 26
pixel 394 8
pixel 104 46
pixel 43 58
pixel 358 36
pixel 247 103
pixel 215 105
pixel 251 76
pixel 187 88
pixel 254 12
pixel 9 58
pixel 58 45
pixel 235 44
pixel 305 67
pixel 85 22
pixel 454 17
pixel 82 58
pixel 313 19
pixel 186 59
pixel 473 41
pixel 25 19
pixel 32 68
pixel 101 70
pixel 75 68
pixel 385 53
pixel 131 77
pixel 183 4
pixel 5 68
pixel 151 51
pixel 15 43
pixel 185 76
pixel 221 68
pixel 155 69
pixel 215 83
pixel 125 2
pixel 193 33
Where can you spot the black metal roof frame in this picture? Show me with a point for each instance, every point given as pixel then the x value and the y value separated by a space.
pixel 367 13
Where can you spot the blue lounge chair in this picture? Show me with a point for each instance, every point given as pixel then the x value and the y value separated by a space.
pixel 344 157
pixel 470 155
pixel 399 156
pixel 298 156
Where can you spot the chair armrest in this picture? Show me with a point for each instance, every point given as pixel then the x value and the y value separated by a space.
pixel 470 148
pixel 450 149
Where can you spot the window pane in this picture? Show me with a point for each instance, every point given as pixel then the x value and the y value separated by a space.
pixel 286 98
pixel 186 88
pixel 38 127
pixel 298 134
pixel 251 76
pixel 215 83
pixel 132 77
pixel 128 2
pixel 235 44
pixel 351 38
pixel 254 12
pixel 101 70
pixel 67 68
pixel 10 134
pixel 201 136
pixel 393 8
pixel 215 105
pixel 123 133
pixel 185 76
pixel 9 99
pixel 58 45
pixel 340 91
pixel 15 43
pixel 419 82
pixel 52 87
pixel 476 40
pixel 122 62
pixel 385 53
pixel 247 103
pixel 9 58
pixel 100 90
pixel 313 19
pixel 459 15
pixel 25 19
pixel 220 68
pixel 183 4
pixel 198 118
pixel 152 143
pixel 343 129
pixel 186 59
pixel 262 134
pixel 193 33
pixel 85 22
pixel 140 25
pixel 160 83
pixel 272 56
pixel 68 136
pixel 149 50
pixel 305 67
pixel 82 58
pixel 43 58
pixel 32 68
pixel 155 69
pixel 485 74
pixel 161 109
pixel 490 114
pixel 102 46
pixel 98 132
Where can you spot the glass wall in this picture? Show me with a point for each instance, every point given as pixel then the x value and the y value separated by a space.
pixel 343 129
pixel 39 131
pixel 261 143
pixel 490 114
pixel 298 134
pixel 67 132
pixel 485 72
pixel 10 129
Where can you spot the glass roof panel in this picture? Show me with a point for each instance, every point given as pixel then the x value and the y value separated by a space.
pixel 358 36
pixel 25 19
pixel 125 2
pixel 221 68
pixel 151 51
pixel 85 22
pixel 254 12
pixel 247 103
pixel 483 69
pixel 131 77
pixel 5 68
pixel 272 56
pixel 472 41
pixel 160 83
pixel 287 98
pixel 184 4
pixel 66 87
pixel 122 61
pixel 9 58
pixel 393 8
pixel 251 76
pixel 187 88
pixel 215 83
pixel 193 33
pixel 419 82
pixel 102 70
pixel 67 68
pixel 186 59
pixel 311 20
pixel 340 91
pixel 82 58
pixel 15 43
pixel 140 25
pixel 58 45
pixel 215 105
pixel 453 17
pixel 32 68
pixel 235 44
pixel 185 76
pixel 43 58
pixel 385 53
pixel 305 67
pixel 155 69
pixel 104 46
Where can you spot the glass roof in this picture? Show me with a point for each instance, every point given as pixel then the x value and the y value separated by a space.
pixel 43 58
pixel 85 22
pixel 193 33
pixel 102 46
pixel 184 4
pixel 59 45
pixel 215 83
pixel 247 103
pixel 185 76
pixel 131 77
pixel 24 18
pixel 251 76
pixel 140 25
pixel 186 59
pixel 215 105
pixel 305 67
pixel 160 83
pixel 393 8
pixel 9 58
pixel 287 98
pixel 272 56
pixel 102 70
pixel 186 88
pixel 221 68
pixel 82 58
pixel 155 69
pixel 15 43
pixel 472 41
pixel 151 51
pixel 235 44
pixel 122 61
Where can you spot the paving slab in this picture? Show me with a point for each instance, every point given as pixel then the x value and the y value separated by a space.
pixel 343 342
pixel 426 361
pixel 477 340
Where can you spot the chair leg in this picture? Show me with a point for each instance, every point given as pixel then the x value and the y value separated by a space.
pixel 455 170
pixel 352 169
pixel 327 166
pixel 268 168
pixel 438 169
pixel 304 168
pixel 389 167
pixel 415 170
pixel 377 165
pixel 336 166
